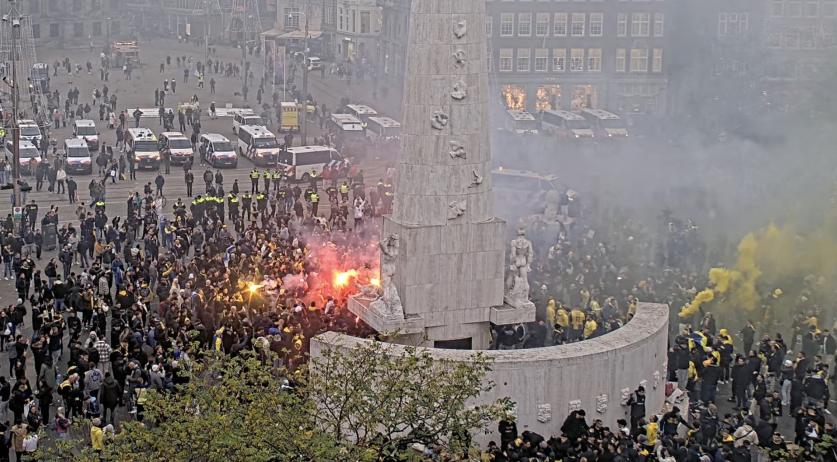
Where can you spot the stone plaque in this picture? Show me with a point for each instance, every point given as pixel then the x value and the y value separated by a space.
pixel 544 413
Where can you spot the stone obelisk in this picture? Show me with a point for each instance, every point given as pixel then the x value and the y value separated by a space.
pixel 443 251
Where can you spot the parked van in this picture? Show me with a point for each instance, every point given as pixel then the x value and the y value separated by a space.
pixel 217 150
pixel 178 146
pixel 85 129
pixel 289 117
pixel 29 130
pixel 301 162
pixel 143 143
pixel 29 155
pixel 565 125
pixel 520 122
pixel 258 144
pixel 606 124
pixel 361 111
pixel 245 117
pixel 383 129
pixel 78 156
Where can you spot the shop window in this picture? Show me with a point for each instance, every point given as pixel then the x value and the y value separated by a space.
pixel 514 97
pixel 584 96
pixel 548 98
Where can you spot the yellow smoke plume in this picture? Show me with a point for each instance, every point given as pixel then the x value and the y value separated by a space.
pixel 704 296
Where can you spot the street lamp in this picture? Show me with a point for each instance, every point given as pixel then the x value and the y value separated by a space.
pixel 304 122
pixel 15 99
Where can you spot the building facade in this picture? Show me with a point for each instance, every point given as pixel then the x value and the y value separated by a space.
pixel 351 29
pixel 737 59
pixel 72 23
pixel 551 54
pixel 582 54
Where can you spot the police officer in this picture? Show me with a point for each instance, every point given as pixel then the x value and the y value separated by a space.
pixel 315 203
pixel 232 201
pixel 219 207
pixel 266 177
pixel 344 191
pixel 261 202
pixel 314 178
pixel 277 179
pixel 246 204
pixel 254 181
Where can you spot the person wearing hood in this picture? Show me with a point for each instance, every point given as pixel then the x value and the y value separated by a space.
pixel 109 394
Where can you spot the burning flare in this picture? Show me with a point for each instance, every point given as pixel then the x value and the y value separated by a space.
pixel 342 279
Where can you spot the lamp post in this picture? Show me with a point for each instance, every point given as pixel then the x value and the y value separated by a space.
pixel 15 21
pixel 304 122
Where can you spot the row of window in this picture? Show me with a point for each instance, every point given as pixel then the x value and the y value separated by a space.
pixel 52 5
pixel 733 24
pixel 576 24
pixel 578 60
pixel 800 8
pixel 806 38
pixel 78 29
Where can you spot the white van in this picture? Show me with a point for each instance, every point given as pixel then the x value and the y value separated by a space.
pixel 361 111
pixel 178 146
pixel 29 130
pixel 520 122
pixel 258 144
pixel 218 151
pixel 78 156
pixel 606 124
pixel 301 162
pixel 29 155
pixel 143 143
pixel 383 129
pixel 245 117
pixel 566 125
pixel 85 130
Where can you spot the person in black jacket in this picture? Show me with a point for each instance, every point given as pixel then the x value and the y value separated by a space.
pixel 637 404
pixel 508 431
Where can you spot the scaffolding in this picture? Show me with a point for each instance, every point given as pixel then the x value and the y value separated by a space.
pixel 245 26
pixel 33 89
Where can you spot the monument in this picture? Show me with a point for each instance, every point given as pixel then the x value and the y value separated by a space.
pixel 443 256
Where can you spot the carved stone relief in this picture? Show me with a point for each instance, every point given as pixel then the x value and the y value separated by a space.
pixel 439 120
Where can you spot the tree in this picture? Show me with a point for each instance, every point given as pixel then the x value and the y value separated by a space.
pixel 362 404
pixel 386 398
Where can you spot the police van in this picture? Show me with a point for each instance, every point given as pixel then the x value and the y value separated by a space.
pixel 78 156
pixel 383 129
pixel 29 155
pixel 361 111
pixel 85 130
pixel 565 125
pixel 606 124
pixel 258 144
pixel 245 117
pixel 349 129
pixel 178 146
pixel 143 143
pixel 304 162
pixel 29 130
pixel 217 150
pixel 520 122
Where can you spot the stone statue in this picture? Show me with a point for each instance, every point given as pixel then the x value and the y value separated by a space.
pixel 390 303
pixel 521 257
pixel 553 206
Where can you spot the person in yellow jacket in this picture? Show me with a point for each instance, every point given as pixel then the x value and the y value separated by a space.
pixel 562 317
pixel 724 336
pixel 551 312
pixel 97 435
pixel 577 318
pixel 589 327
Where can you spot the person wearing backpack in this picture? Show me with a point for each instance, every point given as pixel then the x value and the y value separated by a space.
pixel 109 396
pixel 61 424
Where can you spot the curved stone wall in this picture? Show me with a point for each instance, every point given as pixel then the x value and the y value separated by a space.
pixel 547 383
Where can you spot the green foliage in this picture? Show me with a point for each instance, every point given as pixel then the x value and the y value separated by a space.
pixel 363 405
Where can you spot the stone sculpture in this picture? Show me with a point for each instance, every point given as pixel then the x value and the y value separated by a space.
pixel 456 209
pixel 521 259
pixel 544 413
pixel 439 120
pixel 460 91
pixel 601 403
pixel 457 151
pixel 553 206
pixel 459 58
pixel 460 29
pixel 390 303
pixel 476 180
